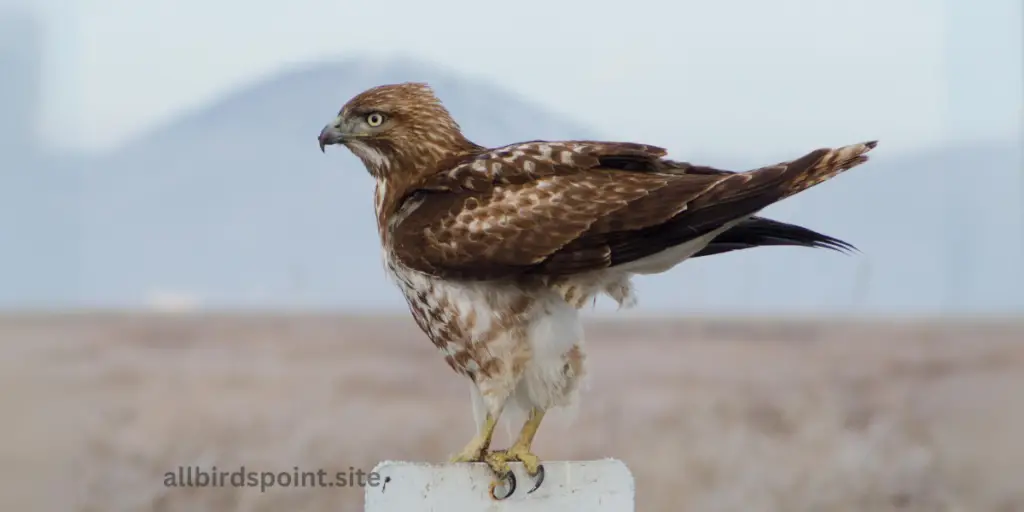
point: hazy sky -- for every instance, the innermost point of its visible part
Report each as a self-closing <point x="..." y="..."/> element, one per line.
<point x="690" y="75"/>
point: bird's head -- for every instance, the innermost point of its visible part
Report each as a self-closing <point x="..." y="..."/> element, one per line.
<point x="400" y="128"/>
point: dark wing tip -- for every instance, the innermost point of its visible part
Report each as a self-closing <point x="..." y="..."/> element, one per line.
<point x="835" y="244"/>
<point x="762" y="232"/>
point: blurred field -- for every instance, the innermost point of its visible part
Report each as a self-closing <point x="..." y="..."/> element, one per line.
<point x="712" y="415"/>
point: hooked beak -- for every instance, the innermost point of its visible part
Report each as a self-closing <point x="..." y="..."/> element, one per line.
<point x="332" y="133"/>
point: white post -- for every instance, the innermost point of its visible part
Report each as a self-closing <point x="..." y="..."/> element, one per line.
<point x="585" y="486"/>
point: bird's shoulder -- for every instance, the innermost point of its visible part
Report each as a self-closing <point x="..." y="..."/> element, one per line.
<point x="523" y="162"/>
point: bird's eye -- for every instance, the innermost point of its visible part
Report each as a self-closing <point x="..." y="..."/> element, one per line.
<point x="375" y="119"/>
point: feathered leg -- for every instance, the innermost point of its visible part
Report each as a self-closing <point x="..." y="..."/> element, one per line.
<point x="491" y="392"/>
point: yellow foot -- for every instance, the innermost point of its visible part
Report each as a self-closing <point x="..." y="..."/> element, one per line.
<point x="477" y="447"/>
<point x="498" y="462"/>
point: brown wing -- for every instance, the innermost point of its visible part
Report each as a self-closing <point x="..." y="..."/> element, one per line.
<point x="545" y="208"/>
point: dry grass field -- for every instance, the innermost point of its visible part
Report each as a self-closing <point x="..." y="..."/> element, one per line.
<point x="711" y="415"/>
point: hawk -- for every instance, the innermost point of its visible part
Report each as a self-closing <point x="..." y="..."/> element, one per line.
<point x="497" y="249"/>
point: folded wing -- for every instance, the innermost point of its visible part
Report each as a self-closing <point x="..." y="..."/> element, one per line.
<point x="554" y="209"/>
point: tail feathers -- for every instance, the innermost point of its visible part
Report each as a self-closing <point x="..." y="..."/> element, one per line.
<point x="821" y="165"/>
<point x="762" y="232"/>
<point x="744" y="193"/>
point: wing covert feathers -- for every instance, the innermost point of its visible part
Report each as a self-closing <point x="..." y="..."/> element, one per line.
<point x="558" y="208"/>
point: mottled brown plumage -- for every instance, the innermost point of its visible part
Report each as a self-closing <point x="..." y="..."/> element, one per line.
<point x="495" y="249"/>
<point x="558" y="209"/>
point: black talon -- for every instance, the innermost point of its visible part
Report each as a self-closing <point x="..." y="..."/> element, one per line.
<point x="540" y="479"/>
<point x="511" y="478"/>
